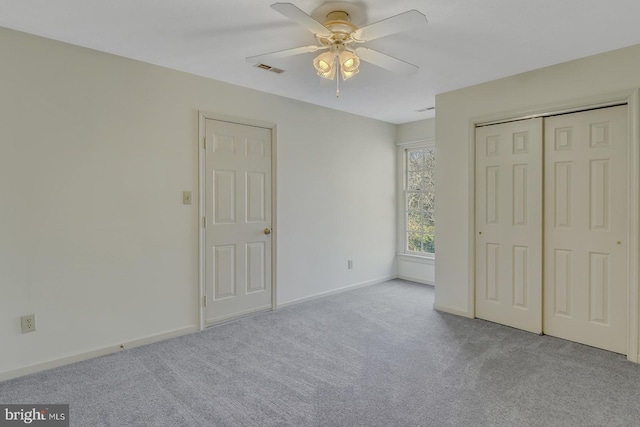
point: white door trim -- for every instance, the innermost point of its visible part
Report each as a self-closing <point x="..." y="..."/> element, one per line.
<point x="202" y="117"/>
<point x="632" y="99"/>
<point x="633" y="325"/>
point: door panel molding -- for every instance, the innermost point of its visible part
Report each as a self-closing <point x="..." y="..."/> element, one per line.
<point x="254" y="148"/>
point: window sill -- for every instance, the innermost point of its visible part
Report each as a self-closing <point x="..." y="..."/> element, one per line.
<point x="421" y="259"/>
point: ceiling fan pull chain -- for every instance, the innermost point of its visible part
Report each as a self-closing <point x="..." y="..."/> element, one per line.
<point x="337" y="76"/>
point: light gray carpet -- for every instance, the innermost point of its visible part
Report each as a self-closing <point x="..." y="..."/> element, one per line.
<point x="375" y="356"/>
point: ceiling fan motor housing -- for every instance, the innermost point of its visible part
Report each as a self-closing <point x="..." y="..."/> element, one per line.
<point x="340" y="27"/>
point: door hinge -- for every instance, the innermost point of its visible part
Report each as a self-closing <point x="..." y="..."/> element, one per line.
<point x="204" y="222"/>
<point x="205" y="143"/>
<point x="204" y="300"/>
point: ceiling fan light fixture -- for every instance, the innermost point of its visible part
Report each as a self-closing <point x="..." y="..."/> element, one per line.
<point x="328" y="63"/>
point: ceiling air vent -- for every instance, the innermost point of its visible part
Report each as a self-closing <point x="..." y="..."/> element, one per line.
<point x="422" y="110"/>
<point x="270" y="68"/>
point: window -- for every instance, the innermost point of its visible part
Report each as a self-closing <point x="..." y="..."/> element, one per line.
<point x="419" y="200"/>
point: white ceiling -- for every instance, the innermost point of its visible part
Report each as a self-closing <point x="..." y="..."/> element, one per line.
<point x="465" y="42"/>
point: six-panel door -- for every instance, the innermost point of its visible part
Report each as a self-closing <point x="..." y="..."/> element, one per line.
<point x="509" y="224"/>
<point x="238" y="216"/>
<point x="586" y="227"/>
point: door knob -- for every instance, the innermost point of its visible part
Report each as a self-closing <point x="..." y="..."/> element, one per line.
<point x="267" y="231"/>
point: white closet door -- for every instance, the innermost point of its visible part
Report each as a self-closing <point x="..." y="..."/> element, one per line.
<point x="509" y="224"/>
<point x="586" y="227"/>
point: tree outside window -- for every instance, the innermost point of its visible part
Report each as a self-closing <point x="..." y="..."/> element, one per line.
<point x="420" y="200"/>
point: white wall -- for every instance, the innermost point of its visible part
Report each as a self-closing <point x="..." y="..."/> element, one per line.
<point x="612" y="75"/>
<point x="95" y="151"/>
<point x="411" y="267"/>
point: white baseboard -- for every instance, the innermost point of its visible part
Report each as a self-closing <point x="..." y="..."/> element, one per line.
<point x="452" y="311"/>
<point x="417" y="280"/>
<point x="7" y="375"/>
<point x="336" y="291"/>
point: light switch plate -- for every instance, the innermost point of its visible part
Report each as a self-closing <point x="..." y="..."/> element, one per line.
<point x="186" y="197"/>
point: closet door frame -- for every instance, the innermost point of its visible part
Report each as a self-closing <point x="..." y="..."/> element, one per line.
<point x="632" y="99"/>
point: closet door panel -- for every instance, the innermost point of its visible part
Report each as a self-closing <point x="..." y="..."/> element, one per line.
<point x="586" y="227"/>
<point x="509" y="224"/>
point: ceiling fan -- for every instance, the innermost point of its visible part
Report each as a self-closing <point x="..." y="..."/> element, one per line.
<point x="337" y="36"/>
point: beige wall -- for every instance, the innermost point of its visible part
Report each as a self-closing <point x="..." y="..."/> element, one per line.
<point x="416" y="131"/>
<point x="612" y="75"/>
<point x="95" y="151"/>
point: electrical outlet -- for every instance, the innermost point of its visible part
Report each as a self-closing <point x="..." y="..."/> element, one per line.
<point x="28" y="323"/>
<point x="186" y="197"/>
<point x="350" y="264"/>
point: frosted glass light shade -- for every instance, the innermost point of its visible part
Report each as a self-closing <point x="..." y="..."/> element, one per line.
<point x="349" y="62"/>
<point x="348" y="74"/>
<point x="324" y="62"/>
<point x="329" y="75"/>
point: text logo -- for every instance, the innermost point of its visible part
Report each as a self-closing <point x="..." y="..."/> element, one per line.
<point x="34" y="415"/>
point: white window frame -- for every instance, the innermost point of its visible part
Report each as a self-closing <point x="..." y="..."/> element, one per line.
<point x="402" y="246"/>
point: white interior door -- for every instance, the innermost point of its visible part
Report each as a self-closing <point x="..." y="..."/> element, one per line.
<point x="586" y="227"/>
<point x="509" y="224"/>
<point x="238" y="220"/>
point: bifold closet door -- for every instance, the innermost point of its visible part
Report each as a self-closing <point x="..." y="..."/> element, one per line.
<point x="509" y="224"/>
<point x="586" y="227"/>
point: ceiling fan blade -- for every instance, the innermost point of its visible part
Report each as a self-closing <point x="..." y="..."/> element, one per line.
<point x="395" y="24"/>
<point x="385" y="61"/>
<point x="266" y="57"/>
<point x="295" y="14"/>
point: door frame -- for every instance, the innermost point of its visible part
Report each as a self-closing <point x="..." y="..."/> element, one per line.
<point x="632" y="99"/>
<point x="203" y="116"/>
